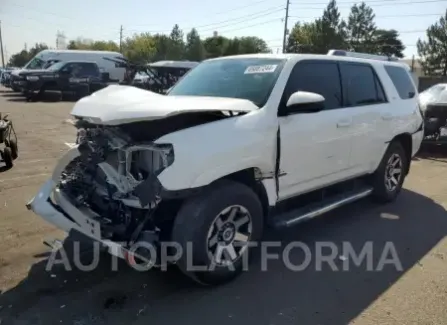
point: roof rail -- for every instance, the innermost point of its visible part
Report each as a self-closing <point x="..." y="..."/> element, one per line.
<point x="361" y="55"/>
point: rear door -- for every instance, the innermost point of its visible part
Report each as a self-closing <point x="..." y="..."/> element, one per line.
<point x="365" y="102"/>
<point x="407" y="114"/>
<point x="315" y="147"/>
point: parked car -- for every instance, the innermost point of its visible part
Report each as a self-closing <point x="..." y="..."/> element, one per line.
<point x="157" y="76"/>
<point x="5" y="75"/>
<point x="433" y="103"/>
<point x="220" y="157"/>
<point x="79" y="77"/>
<point x="46" y="58"/>
<point x="162" y="75"/>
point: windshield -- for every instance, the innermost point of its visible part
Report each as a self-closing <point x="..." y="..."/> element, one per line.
<point x="35" y="63"/>
<point x="56" y="66"/>
<point x="246" y="78"/>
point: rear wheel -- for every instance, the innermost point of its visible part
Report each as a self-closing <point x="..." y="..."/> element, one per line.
<point x="7" y="157"/>
<point x="14" y="148"/>
<point x="214" y="230"/>
<point x="390" y="175"/>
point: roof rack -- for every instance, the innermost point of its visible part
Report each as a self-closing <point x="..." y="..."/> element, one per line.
<point x="361" y="55"/>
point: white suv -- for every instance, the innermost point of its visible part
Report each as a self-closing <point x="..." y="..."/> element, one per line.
<point x="220" y="156"/>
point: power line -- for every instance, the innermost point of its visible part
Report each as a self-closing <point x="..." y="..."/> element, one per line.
<point x="278" y="19"/>
<point x="375" y="45"/>
<point x="389" y="3"/>
<point x="386" y="16"/>
<point x="259" y="14"/>
<point x="38" y="10"/>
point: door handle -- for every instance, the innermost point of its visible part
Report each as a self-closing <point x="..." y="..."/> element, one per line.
<point x="387" y="116"/>
<point x="344" y="123"/>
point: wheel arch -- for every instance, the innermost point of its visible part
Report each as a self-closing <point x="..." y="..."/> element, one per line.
<point x="406" y="140"/>
<point x="264" y="187"/>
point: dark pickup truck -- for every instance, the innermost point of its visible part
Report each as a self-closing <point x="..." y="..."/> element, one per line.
<point x="79" y="77"/>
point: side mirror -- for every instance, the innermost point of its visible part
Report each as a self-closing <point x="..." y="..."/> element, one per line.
<point x="304" y="102"/>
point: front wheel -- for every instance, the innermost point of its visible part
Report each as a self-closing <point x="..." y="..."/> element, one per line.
<point x="389" y="176"/>
<point x="215" y="230"/>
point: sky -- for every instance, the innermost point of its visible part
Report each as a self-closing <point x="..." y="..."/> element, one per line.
<point x="27" y="22"/>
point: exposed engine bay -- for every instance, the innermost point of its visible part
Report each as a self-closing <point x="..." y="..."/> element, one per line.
<point x="115" y="175"/>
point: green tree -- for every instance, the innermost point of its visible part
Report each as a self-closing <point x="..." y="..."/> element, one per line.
<point x="21" y="58"/>
<point x="387" y="42"/>
<point x="87" y="44"/>
<point x="215" y="46"/>
<point x="361" y="28"/>
<point x="252" y="44"/>
<point x="306" y="38"/>
<point x="332" y="28"/>
<point x="177" y="46"/>
<point x="80" y="44"/>
<point x="433" y="51"/>
<point x="140" y="48"/>
<point x="162" y="47"/>
<point x="105" y="46"/>
<point x="233" y="47"/>
<point x="194" y="49"/>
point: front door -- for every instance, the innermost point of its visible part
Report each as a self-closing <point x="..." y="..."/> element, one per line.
<point x="315" y="147"/>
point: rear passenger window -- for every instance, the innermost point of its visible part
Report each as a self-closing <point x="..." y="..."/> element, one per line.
<point x="402" y="82"/>
<point x="321" y="77"/>
<point x="361" y="85"/>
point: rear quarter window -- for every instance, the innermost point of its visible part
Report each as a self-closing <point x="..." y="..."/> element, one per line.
<point x="402" y="81"/>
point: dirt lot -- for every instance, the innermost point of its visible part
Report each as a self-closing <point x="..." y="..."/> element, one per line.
<point x="416" y="225"/>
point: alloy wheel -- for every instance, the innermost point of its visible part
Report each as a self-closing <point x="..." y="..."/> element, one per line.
<point x="229" y="235"/>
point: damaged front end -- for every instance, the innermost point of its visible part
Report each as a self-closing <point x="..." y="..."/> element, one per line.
<point x="116" y="178"/>
<point x="106" y="188"/>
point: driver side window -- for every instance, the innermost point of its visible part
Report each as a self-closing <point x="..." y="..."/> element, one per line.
<point x="320" y="77"/>
<point x="66" y="68"/>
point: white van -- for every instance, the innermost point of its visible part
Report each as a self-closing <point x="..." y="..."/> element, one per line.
<point x="43" y="58"/>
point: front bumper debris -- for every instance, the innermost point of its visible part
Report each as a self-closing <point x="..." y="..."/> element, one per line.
<point x="67" y="217"/>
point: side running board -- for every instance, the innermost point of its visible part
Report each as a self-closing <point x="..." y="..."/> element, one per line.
<point x="293" y="217"/>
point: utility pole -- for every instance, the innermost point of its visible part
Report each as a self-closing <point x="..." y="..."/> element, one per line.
<point x="285" y="27"/>
<point x="121" y="39"/>
<point x="1" y="46"/>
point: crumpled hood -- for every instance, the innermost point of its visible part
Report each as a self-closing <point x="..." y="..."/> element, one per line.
<point x="115" y="105"/>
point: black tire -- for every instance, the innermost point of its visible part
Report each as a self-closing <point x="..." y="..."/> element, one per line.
<point x="194" y="221"/>
<point x="381" y="192"/>
<point x="7" y="157"/>
<point x="14" y="149"/>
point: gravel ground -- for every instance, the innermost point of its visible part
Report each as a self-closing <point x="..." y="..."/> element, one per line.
<point x="416" y="225"/>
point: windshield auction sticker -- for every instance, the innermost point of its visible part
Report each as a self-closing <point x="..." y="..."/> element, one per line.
<point x="261" y="69"/>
